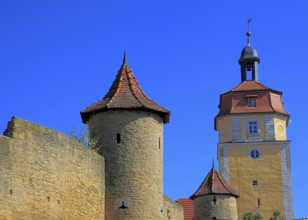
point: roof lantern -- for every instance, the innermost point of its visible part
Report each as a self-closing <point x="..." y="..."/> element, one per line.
<point x="249" y="60"/>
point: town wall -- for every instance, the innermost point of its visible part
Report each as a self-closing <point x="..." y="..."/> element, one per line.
<point x="45" y="174"/>
<point x="172" y="210"/>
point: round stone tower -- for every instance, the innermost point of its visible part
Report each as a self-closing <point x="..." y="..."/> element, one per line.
<point x="215" y="199"/>
<point x="129" y="129"/>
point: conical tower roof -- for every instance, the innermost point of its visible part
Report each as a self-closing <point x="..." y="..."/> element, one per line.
<point x="214" y="184"/>
<point x="125" y="94"/>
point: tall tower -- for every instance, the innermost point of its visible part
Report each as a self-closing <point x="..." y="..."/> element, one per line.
<point x="129" y="128"/>
<point x="253" y="149"/>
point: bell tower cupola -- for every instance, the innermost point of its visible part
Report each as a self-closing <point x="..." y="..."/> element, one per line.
<point x="249" y="60"/>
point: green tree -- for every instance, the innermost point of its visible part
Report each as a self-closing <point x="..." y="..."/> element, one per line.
<point x="277" y="216"/>
<point x="252" y="216"/>
<point x="83" y="138"/>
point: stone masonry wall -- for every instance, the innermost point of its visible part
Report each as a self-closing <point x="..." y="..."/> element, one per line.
<point x="44" y="174"/>
<point x="206" y="209"/>
<point x="172" y="210"/>
<point x="132" y="145"/>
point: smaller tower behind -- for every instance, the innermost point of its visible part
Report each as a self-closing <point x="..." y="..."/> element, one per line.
<point x="215" y="199"/>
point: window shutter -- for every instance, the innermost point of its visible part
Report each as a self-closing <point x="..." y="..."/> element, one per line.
<point x="269" y="128"/>
<point x="236" y="129"/>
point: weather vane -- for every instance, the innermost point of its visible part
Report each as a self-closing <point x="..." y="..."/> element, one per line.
<point x="248" y="33"/>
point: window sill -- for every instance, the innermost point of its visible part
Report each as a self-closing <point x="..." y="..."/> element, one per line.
<point x="253" y="135"/>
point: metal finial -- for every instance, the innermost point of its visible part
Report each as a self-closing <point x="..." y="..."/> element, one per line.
<point x="248" y="33"/>
<point x="213" y="164"/>
<point x="124" y="60"/>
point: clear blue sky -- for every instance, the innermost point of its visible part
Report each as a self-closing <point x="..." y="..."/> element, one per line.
<point x="57" y="57"/>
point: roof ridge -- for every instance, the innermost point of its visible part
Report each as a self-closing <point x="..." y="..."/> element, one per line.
<point x="223" y="182"/>
<point x="143" y="93"/>
<point x="261" y="84"/>
<point x="212" y="185"/>
<point x="130" y="85"/>
<point x="235" y="89"/>
<point x="117" y="88"/>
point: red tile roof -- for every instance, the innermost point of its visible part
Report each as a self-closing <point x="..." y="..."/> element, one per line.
<point x="249" y="85"/>
<point x="125" y="94"/>
<point x="188" y="207"/>
<point x="214" y="184"/>
<point x="235" y="100"/>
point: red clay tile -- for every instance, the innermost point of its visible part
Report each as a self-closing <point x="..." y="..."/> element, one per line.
<point x="235" y="100"/>
<point x="188" y="207"/>
<point x="214" y="184"/>
<point x="125" y="94"/>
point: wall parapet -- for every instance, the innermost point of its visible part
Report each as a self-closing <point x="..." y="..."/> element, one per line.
<point x="48" y="175"/>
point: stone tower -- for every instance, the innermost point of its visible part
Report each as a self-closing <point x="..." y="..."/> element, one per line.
<point x="253" y="149"/>
<point x="215" y="199"/>
<point x="129" y="128"/>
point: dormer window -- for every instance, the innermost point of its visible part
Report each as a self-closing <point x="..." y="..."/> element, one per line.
<point x="251" y="100"/>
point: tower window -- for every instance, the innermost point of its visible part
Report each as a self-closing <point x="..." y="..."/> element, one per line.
<point x="214" y="200"/>
<point x="251" y="102"/>
<point x="254" y="182"/>
<point x="253" y="127"/>
<point x="159" y="143"/>
<point x="255" y="154"/>
<point x="118" y="138"/>
<point x="123" y="206"/>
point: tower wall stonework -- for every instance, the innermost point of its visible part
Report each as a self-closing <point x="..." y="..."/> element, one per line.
<point x="132" y="145"/>
<point x="206" y="209"/>
<point x="45" y="174"/>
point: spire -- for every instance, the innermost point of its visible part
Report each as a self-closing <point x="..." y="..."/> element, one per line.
<point x="124" y="60"/>
<point x="248" y="33"/>
<point x="249" y="59"/>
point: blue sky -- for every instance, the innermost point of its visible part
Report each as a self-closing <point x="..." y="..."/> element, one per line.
<point x="57" y="57"/>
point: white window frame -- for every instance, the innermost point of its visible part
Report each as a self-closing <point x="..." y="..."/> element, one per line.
<point x="253" y="127"/>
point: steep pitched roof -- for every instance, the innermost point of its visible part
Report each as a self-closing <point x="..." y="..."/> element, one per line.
<point x="188" y="207"/>
<point x="235" y="100"/>
<point x="214" y="184"/>
<point x="125" y="94"/>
